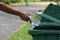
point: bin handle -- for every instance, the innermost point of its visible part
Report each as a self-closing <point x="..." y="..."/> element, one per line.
<point x="49" y="23"/>
<point x="49" y="17"/>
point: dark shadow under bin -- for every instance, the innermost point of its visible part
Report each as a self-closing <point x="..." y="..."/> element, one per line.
<point x="47" y="28"/>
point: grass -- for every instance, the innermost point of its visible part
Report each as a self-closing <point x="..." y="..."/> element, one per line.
<point x="22" y="33"/>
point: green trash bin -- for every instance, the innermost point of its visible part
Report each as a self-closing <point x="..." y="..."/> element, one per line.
<point x="49" y="27"/>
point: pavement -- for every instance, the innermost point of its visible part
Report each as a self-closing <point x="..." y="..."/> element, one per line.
<point x="9" y="24"/>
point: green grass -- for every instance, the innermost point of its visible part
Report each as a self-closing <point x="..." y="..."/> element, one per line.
<point x="22" y="33"/>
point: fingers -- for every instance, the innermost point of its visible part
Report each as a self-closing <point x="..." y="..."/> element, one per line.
<point x="25" y="17"/>
<point x="28" y="14"/>
<point x="28" y="19"/>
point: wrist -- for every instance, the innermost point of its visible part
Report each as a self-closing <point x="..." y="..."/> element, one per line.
<point x="20" y="14"/>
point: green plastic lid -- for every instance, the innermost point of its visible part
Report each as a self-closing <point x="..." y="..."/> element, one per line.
<point x="53" y="11"/>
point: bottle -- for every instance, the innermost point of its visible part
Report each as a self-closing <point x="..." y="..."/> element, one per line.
<point x="36" y="19"/>
<point x="37" y="16"/>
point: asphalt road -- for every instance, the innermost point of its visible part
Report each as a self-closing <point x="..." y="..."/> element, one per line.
<point x="9" y="24"/>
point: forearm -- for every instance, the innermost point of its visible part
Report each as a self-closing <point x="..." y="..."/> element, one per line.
<point x="8" y="9"/>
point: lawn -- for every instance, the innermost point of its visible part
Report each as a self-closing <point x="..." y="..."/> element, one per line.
<point x="22" y="33"/>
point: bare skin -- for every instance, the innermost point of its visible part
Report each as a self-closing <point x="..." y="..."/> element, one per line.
<point x="6" y="8"/>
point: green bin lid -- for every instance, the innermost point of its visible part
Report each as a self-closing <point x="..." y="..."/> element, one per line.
<point x="52" y="10"/>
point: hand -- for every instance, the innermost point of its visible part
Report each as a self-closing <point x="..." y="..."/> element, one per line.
<point x="6" y="8"/>
<point x="25" y="17"/>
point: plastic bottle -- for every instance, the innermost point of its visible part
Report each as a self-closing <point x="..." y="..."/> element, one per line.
<point x="36" y="19"/>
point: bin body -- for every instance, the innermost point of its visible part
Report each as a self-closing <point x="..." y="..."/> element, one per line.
<point x="45" y="34"/>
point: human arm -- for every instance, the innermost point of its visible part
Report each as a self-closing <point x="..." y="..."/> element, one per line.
<point x="8" y="9"/>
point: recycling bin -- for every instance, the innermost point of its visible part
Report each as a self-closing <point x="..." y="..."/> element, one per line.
<point x="49" y="26"/>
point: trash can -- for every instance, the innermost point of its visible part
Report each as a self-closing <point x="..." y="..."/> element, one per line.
<point x="49" y="27"/>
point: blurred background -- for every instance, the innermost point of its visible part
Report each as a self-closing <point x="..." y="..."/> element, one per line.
<point x="22" y="1"/>
<point x="10" y="24"/>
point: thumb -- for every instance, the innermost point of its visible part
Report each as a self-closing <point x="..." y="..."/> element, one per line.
<point x="29" y="20"/>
